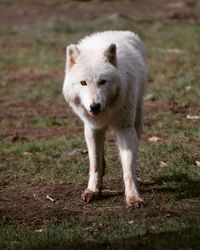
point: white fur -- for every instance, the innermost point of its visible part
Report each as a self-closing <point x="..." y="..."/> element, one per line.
<point x="121" y="98"/>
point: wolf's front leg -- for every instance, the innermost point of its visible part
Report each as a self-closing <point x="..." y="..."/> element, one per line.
<point x="128" y="143"/>
<point x="95" y="144"/>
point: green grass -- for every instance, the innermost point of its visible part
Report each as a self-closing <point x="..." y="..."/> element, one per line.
<point x="43" y="160"/>
<point x="32" y="59"/>
<point x="69" y="235"/>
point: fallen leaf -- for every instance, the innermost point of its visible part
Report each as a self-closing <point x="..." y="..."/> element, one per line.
<point x="78" y="151"/>
<point x="139" y="180"/>
<point x="162" y="164"/>
<point x="84" y="151"/>
<point x="198" y="163"/>
<point x="27" y="153"/>
<point x="149" y="97"/>
<point x="193" y="117"/>
<point x="187" y="88"/>
<point x="39" y="230"/>
<point x="155" y="139"/>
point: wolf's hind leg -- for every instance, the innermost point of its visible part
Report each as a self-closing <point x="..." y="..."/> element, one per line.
<point x="139" y="122"/>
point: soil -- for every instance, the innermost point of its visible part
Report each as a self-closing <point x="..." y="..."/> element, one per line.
<point x="32" y="110"/>
<point x="37" y="206"/>
<point x="44" y="204"/>
<point x="26" y="12"/>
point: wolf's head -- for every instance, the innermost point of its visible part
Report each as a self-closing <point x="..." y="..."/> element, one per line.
<point x="92" y="80"/>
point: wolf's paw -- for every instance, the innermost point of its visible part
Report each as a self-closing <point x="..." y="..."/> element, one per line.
<point x="89" y="195"/>
<point x="134" y="201"/>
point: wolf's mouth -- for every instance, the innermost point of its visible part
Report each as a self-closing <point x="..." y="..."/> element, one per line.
<point x="95" y="108"/>
<point x="94" y="113"/>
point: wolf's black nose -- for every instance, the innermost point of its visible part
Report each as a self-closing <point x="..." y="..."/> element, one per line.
<point x="95" y="108"/>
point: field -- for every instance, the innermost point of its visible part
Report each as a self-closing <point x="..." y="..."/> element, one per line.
<point x="43" y="156"/>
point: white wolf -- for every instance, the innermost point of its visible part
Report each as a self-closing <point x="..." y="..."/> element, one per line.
<point x="104" y="84"/>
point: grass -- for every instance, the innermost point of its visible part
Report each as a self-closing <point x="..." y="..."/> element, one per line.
<point x="40" y="135"/>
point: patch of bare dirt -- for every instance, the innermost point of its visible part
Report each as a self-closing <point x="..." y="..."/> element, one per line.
<point x="155" y="106"/>
<point x="151" y="106"/>
<point x="41" y="205"/>
<point x="31" y="206"/>
<point x="61" y="118"/>
<point x="192" y="203"/>
<point x="13" y="77"/>
<point x="64" y="122"/>
<point x="31" y="133"/>
<point x="28" y="131"/>
<point x="38" y="206"/>
<point x="33" y="11"/>
<point x="30" y="109"/>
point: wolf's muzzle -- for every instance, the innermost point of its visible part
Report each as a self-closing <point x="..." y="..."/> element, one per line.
<point x="95" y="108"/>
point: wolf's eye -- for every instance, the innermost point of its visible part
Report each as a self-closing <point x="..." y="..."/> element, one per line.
<point x="84" y="83"/>
<point x="102" y="82"/>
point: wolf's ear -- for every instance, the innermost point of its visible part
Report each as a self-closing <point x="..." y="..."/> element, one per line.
<point x="72" y="53"/>
<point x="110" y="54"/>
